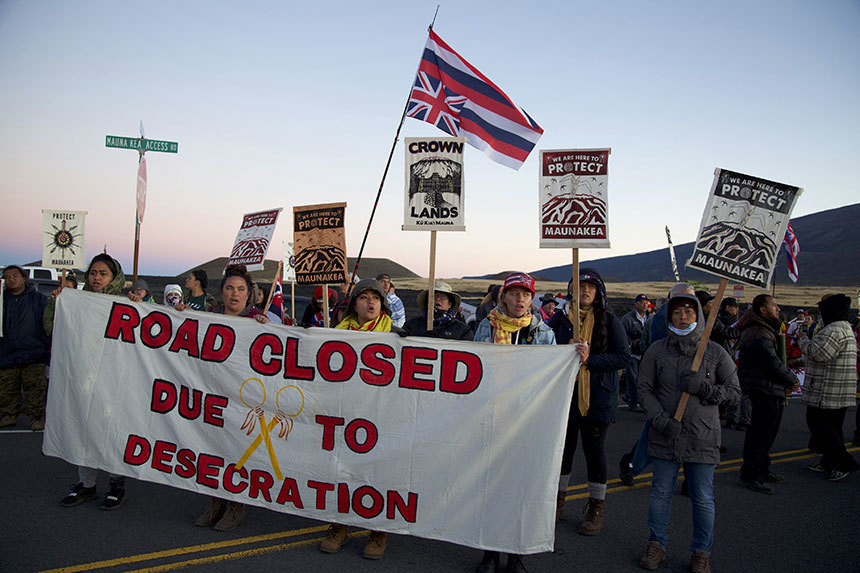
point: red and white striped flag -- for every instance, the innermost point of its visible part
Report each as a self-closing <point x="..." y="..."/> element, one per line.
<point x="792" y="249"/>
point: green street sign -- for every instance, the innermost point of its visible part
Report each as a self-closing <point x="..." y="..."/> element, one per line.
<point x="141" y="144"/>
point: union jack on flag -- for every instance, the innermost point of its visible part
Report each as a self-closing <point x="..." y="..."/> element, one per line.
<point x="277" y="305"/>
<point x="792" y="249"/>
<point x="454" y="96"/>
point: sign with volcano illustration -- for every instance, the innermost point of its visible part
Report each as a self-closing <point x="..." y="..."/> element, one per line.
<point x="743" y="227"/>
<point x="574" y="198"/>
<point x="434" y="184"/>
<point x="319" y="243"/>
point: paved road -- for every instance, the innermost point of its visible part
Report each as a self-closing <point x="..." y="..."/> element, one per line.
<point x="809" y="525"/>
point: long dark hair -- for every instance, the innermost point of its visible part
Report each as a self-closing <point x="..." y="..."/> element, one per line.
<point x="598" y="334"/>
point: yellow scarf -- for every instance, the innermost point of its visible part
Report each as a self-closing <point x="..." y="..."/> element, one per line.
<point x="504" y="325"/>
<point x="583" y="378"/>
<point x="381" y="323"/>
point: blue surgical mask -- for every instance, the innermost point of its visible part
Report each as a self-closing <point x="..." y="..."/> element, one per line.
<point x="685" y="331"/>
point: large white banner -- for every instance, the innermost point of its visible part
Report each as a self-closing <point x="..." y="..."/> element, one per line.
<point x="63" y="236"/>
<point x="448" y="440"/>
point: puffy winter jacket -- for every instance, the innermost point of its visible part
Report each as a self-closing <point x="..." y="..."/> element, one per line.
<point x="455" y="329"/>
<point x="24" y="339"/>
<point x="760" y="370"/>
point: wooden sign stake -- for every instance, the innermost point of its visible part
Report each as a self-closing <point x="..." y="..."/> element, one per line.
<point x="574" y="291"/>
<point x="431" y="291"/>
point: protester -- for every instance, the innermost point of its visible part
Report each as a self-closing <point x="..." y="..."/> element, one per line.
<point x="830" y="385"/>
<point x="766" y="379"/>
<point x="633" y="323"/>
<point x="197" y="297"/>
<point x="71" y="281"/>
<point x="104" y="276"/>
<point x="736" y="416"/>
<point x="488" y="303"/>
<point x="236" y="291"/>
<point x="368" y="312"/>
<point x="447" y="321"/>
<point x="398" y="313"/>
<point x="665" y="372"/>
<point x="24" y="351"/>
<point x="313" y="315"/>
<point x="172" y="295"/>
<point x="645" y="341"/>
<point x="140" y="292"/>
<point x="595" y="396"/>
<point x="547" y="306"/>
<point x="512" y="322"/>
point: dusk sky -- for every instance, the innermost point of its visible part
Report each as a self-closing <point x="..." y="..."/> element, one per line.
<point x="276" y="104"/>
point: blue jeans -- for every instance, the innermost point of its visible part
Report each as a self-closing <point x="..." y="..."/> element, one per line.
<point x="701" y="481"/>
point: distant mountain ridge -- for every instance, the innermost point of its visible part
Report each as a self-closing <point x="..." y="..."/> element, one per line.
<point x="829" y="254"/>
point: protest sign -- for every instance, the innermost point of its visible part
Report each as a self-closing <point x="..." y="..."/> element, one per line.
<point x="742" y="227"/>
<point x="449" y="440"/>
<point x="63" y="239"/>
<point x="319" y="243"/>
<point x="574" y="198"/>
<point x="289" y="263"/>
<point x="253" y="238"/>
<point x="434" y="199"/>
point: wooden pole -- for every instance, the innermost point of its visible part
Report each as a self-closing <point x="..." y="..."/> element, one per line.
<point x="136" y="245"/>
<point x="574" y="292"/>
<point x="703" y="344"/>
<point x="293" y="302"/>
<point x="272" y="289"/>
<point x="326" y="319"/>
<point x="431" y="290"/>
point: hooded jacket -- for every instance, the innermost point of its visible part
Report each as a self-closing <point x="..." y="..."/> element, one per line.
<point x="659" y="390"/>
<point x="24" y="339"/>
<point x="114" y="288"/>
<point x="760" y="370"/>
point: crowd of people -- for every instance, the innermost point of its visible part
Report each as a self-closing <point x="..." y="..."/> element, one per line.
<point x="742" y="375"/>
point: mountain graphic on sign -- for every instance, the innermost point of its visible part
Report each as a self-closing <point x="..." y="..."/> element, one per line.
<point x="743" y="245"/>
<point x="576" y="210"/>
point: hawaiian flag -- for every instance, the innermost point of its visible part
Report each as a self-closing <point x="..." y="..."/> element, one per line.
<point x="454" y="96"/>
<point x="792" y="249"/>
<point x="277" y="304"/>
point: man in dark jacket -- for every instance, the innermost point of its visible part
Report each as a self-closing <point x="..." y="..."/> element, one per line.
<point x="24" y="351"/>
<point x="447" y="322"/>
<point x="767" y="381"/>
<point x="633" y="323"/>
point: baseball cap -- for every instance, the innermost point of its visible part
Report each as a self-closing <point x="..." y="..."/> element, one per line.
<point x="521" y="280"/>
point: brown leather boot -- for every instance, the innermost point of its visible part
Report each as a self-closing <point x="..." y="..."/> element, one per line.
<point x="336" y="538"/>
<point x="233" y="517"/>
<point x="213" y="513"/>
<point x="559" y="505"/>
<point x="375" y="547"/>
<point x="593" y="522"/>
<point x="700" y="562"/>
<point x="653" y="557"/>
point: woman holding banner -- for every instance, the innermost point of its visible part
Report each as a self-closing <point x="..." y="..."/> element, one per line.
<point x="664" y="374"/>
<point x="105" y="276"/>
<point x="237" y="290"/>
<point x="595" y="397"/>
<point x="512" y="322"/>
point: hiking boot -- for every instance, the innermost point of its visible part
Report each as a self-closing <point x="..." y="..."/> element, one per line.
<point x="816" y="467"/>
<point x="489" y="563"/>
<point x="756" y="486"/>
<point x="773" y="478"/>
<point x="515" y="564"/>
<point x="653" y="556"/>
<point x="336" y="538"/>
<point x="559" y="505"/>
<point x="836" y="475"/>
<point x="625" y="470"/>
<point x="375" y="546"/>
<point x="115" y="495"/>
<point x="6" y="421"/>
<point x="700" y="562"/>
<point x="233" y="517"/>
<point x="593" y="522"/>
<point x="78" y="495"/>
<point x="37" y="424"/>
<point x="213" y="513"/>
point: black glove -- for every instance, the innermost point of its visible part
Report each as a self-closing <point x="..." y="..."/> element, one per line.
<point x="402" y="333"/>
<point x="691" y="383"/>
<point x="668" y="426"/>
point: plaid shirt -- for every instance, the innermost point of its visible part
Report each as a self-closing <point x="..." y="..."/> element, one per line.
<point x="831" y="367"/>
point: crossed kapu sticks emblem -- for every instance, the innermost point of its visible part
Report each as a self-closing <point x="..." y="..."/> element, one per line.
<point x="282" y="418"/>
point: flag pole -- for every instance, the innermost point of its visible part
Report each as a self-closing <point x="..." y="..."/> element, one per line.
<point x="385" y="172"/>
<point x="272" y="289"/>
<point x="431" y="301"/>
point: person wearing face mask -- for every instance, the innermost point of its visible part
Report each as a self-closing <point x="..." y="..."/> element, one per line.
<point x="447" y="321"/>
<point x="604" y="351"/>
<point x="664" y="374"/>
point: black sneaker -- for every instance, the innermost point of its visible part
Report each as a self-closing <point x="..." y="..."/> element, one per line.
<point x="836" y="475"/>
<point x="773" y="478"/>
<point x="78" y="495"/>
<point x="115" y="495"/>
<point x="757" y="486"/>
<point x="816" y="467"/>
<point x="625" y="470"/>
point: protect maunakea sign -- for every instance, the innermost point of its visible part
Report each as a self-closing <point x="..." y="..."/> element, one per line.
<point x="289" y="264"/>
<point x="434" y="184"/>
<point x="407" y="435"/>
<point x="574" y="198"/>
<point x="63" y="239"/>
<point x="743" y="227"/>
<point x="319" y="243"/>
<point x="253" y="238"/>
